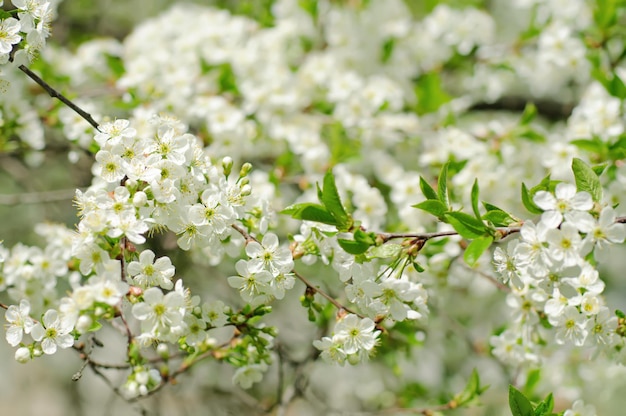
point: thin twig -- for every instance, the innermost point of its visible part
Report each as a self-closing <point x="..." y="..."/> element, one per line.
<point x="322" y="293"/>
<point x="303" y="279"/>
<point x="55" y="94"/>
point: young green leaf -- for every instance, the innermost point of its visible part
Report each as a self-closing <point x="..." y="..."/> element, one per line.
<point x="586" y="179"/>
<point x="472" y="390"/>
<point x="527" y="200"/>
<point x="352" y="246"/>
<point x="519" y="404"/>
<point x="430" y="94"/>
<point x="476" y="248"/>
<point x="499" y="218"/>
<point x="442" y="186"/>
<point x="466" y="225"/>
<point x="427" y="190"/>
<point x="474" y="197"/>
<point x="310" y="212"/>
<point x="332" y="201"/>
<point x="530" y="112"/>
<point x="545" y="407"/>
<point x="432" y="206"/>
<point x="363" y="237"/>
<point x="594" y="145"/>
<point x="418" y="267"/>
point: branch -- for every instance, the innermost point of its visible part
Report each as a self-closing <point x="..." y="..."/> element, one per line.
<point x="502" y="231"/>
<point x="551" y="110"/>
<point x="304" y="280"/>
<point x="55" y="94"/>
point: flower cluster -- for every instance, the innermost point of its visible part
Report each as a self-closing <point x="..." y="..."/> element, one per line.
<point x="29" y="30"/>
<point x="353" y="340"/>
<point x="387" y="100"/>
<point x="553" y="278"/>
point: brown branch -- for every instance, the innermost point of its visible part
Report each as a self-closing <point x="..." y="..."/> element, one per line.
<point x="303" y="279"/>
<point x="385" y="237"/>
<point x="325" y="295"/>
<point x="55" y="94"/>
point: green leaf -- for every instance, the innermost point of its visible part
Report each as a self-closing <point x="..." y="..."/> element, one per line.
<point x="442" y="186"/>
<point x="586" y="179"/>
<point x="476" y="248"/>
<point x="618" y="149"/>
<point x="95" y="326"/>
<point x="605" y="13"/>
<point x="546" y="184"/>
<point x="385" y="251"/>
<point x="427" y="190"/>
<point x="331" y="200"/>
<point x="472" y="390"/>
<point x="534" y="376"/>
<point x="418" y="267"/>
<point x="594" y="145"/>
<point x="545" y="407"/>
<point x="527" y="200"/>
<point x="352" y="246"/>
<point x="474" y="197"/>
<point x="530" y="112"/>
<point x="310" y="6"/>
<point x="115" y="64"/>
<point x="387" y="49"/>
<point x="616" y="87"/>
<point x="519" y="404"/>
<point x="466" y="225"/>
<point x="598" y="169"/>
<point x="310" y="212"/>
<point x="363" y="237"/>
<point x="499" y="218"/>
<point x="532" y="135"/>
<point x="432" y="206"/>
<point x="430" y="95"/>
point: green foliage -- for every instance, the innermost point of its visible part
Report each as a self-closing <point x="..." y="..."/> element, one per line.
<point x="310" y="6"/>
<point x="586" y="179"/>
<point x="341" y="147"/>
<point x="476" y="248"/>
<point x="466" y="225"/>
<point x="520" y="405"/>
<point x="546" y="184"/>
<point x="432" y="206"/>
<point x="430" y="94"/>
<point x="308" y="211"/>
<point x="442" y="186"/>
<point x="497" y="216"/>
<point x="469" y="395"/>
<point x="427" y="190"/>
<point x="474" y="198"/>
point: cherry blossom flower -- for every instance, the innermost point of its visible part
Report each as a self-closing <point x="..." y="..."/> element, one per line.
<point x="54" y="333"/>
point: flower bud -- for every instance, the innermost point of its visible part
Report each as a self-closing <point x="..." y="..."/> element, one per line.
<point x="245" y="169"/>
<point x="84" y="323"/>
<point x="140" y="199"/>
<point x="22" y="355"/>
<point x="163" y="351"/>
<point x="227" y="165"/>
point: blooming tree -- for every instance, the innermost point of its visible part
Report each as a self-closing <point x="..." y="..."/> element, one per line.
<point x="437" y="185"/>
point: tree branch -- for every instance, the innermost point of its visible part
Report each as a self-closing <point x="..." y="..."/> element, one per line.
<point x="55" y="94"/>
